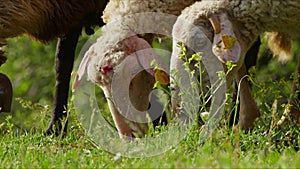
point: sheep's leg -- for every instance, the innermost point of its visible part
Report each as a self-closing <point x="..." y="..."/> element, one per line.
<point x="294" y="101"/>
<point x="252" y="53"/>
<point x="294" y="109"/>
<point x="248" y="108"/>
<point x="64" y="61"/>
<point x="6" y="92"/>
<point x="250" y="60"/>
<point x="2" y="59"/>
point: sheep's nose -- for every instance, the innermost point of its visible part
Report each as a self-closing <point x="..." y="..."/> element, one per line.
<point x="5" y="93"/>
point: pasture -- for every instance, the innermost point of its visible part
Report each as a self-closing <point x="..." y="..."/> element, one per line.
<point x="23" y="145"/>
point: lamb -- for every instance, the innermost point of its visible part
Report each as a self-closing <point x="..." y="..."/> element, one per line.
<point x="232" y="26"/>
<point x="126" y="41"/>
<point x="44" y="21"/>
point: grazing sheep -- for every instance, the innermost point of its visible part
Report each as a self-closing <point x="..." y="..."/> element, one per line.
<point x="232" y="26"/>
<point x="103" y="71"/>
<point x="125" y="38"/>
<point x="44" y="21"/>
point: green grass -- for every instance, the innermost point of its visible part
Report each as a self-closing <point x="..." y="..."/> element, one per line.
<point x="23" y="145"/>
<point x="30" y="149"/>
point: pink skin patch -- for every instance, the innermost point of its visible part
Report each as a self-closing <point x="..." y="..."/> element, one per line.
<point x="105" y="69"/>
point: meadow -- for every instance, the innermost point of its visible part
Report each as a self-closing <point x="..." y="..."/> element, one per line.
<point x="30" y="66"/>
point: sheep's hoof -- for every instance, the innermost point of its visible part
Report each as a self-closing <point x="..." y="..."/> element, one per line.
<point x="57" y="128"/>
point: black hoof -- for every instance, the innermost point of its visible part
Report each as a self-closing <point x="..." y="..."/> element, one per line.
<point x="56" y="128"/>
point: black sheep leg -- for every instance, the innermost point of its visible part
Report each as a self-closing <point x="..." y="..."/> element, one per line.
<point x="295" y="100"/>
<point x="64" y="61"/>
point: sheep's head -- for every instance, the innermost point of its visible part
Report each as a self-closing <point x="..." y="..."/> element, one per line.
<point x="229" y="41"/>
<point x="124" y="73"/>
<point x="230" y="38"/>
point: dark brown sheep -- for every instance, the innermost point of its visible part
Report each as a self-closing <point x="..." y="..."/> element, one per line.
<point x="45" y="21"/>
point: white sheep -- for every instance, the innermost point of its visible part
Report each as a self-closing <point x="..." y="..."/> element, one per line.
<point x="131" y="26"/>
<point x="232" y="27"/>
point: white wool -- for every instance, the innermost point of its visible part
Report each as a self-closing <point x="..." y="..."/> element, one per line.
<point x="253" y="18"/>
<point x="121" y="8"/>
<point x="125" y="18"/>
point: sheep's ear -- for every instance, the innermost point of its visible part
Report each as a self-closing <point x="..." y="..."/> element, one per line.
<point x="83" y="68"/>
<point x="225" y="45"/>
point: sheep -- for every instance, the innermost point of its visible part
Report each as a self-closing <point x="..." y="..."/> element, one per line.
<point x="44" y="21"/>
<point x="125" y="40"/>
<point x="232" y="26"/>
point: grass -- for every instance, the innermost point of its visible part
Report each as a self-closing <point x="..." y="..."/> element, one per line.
<point x="23" y="145"/>
<point x="30" y="149"/>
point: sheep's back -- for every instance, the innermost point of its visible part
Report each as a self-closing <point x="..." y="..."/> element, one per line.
<point x="46" y="20"/>
<point x="265" y="15"/>
<point x="120" y="8"/>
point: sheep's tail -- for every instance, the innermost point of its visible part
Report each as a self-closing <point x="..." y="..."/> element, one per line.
<point x="281" y="45"/>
